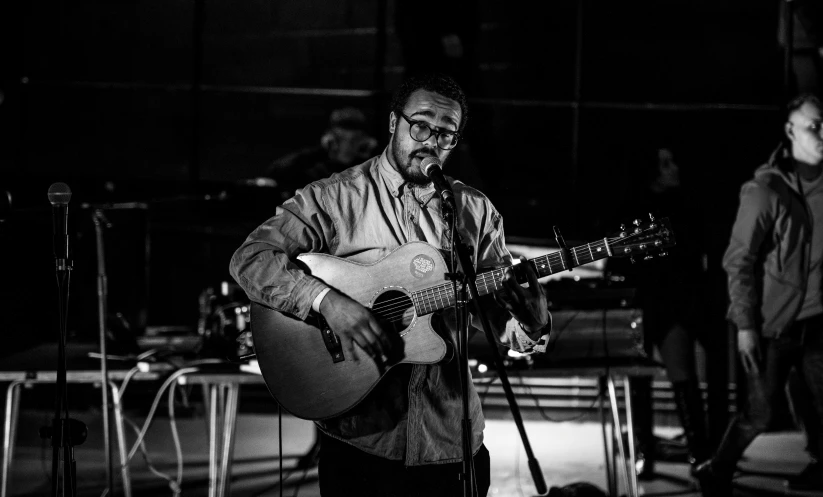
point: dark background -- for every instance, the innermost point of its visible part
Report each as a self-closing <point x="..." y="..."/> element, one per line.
<point x="173" y="103"/>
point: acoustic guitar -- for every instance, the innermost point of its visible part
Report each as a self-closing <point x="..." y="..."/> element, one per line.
<point x="302" y="362"/>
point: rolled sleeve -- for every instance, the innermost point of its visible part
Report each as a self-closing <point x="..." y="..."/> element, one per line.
<point x="492" y="252"/>
<point x="265" y="264"/>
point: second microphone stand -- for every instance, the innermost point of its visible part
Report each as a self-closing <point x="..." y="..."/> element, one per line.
<point x="100" y="222"/>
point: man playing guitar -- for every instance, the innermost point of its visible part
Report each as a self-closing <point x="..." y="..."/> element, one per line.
<point x="402" y="434"/>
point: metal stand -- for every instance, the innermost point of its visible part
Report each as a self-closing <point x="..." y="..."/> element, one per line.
<point x="64" y="432"/>
<point x="100" y="222"/>
<point x="613" y="444"/>
<point x="464" y="258"/>
<point x="467" y="473"/>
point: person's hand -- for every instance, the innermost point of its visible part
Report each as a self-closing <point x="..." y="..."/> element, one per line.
<point x="527" y="305"/>
<point x="353" y="323"/>
<point x="748" y="344"/>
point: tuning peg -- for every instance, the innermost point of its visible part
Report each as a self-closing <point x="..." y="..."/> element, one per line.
<point x="636" y="222"/>
<point x="651" y="217"/>
<point x="632" y="259"/>
<point x="648" y="257"/>
<point x="663" y="254"/>
<point x="622" y="227"/>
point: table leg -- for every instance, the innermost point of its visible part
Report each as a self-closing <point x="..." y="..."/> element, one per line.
<point x="609" y="456"/>
<point x="121" y="440"/>
<point x="619" y="434"/>
<point x="627" y="392"/>
<point x="213" y="440"/>
<point x="229" y="424"/>
<point x="10" y="431"/>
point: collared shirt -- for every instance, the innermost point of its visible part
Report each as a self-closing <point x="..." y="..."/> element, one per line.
<point x="362" y="214"/>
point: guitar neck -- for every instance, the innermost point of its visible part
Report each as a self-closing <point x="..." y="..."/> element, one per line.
<point x="441" y="296"/>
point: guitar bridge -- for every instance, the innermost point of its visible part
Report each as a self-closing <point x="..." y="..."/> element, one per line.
<point x="332" y="342"/>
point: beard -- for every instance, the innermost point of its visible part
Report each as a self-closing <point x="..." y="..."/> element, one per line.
<point x="408" y="171"/>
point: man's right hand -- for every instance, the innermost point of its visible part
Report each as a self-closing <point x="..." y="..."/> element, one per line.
<point x="352" y="322"/>
<point x="748" y="344"/>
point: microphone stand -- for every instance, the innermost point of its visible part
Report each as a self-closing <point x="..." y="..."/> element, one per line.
<point x="467" y="472"/>
<point x="64" y="431"/>
<point x="469" y="278"/>
<point x="100" y="222"/>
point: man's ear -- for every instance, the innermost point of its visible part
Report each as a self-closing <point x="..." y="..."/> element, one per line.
<point x="787" y="128"/>
<point x="392" y="122"/>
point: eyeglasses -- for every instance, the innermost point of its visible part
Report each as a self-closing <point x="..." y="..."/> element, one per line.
<point x="814" y="126"/>
<point x="420" y="132"/>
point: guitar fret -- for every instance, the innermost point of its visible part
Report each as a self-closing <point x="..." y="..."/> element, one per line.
<point x="427" y="293"/>
<point x="444" y="290"/>
<point x="574" y="253"/>
<point x="589" y="245"/>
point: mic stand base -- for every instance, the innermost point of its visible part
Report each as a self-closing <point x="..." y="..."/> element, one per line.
<point x="64" y="431"/>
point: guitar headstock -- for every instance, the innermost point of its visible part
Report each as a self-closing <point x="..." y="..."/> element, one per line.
<point x="648" y="239"/>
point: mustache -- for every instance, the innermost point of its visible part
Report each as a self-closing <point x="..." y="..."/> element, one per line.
<point x="422" y="153"/>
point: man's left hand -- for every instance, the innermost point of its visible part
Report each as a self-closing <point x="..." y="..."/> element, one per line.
<point x="527" y="305"/>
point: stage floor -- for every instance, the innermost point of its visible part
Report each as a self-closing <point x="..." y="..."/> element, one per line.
<point x="567" y="451"/>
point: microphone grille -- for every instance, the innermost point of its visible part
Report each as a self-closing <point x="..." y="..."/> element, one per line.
<point x="429" y="162"/>
<point x="59" y="194"/>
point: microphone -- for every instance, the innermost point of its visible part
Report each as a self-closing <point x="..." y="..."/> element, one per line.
<point x="433" y="169"/>
<point x="59" y="196"/>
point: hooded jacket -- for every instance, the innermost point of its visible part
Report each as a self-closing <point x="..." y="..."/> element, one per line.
<point x="767" y="260"/>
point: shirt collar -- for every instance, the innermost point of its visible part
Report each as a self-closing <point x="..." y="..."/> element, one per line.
<point x="395" y="182"/>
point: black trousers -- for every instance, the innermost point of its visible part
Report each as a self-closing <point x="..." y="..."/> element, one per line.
<point x="801" y="348"/>
<point x="345" y="471"/>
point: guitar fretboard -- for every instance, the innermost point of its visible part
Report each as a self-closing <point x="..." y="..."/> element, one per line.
<point x="439" y="297"/>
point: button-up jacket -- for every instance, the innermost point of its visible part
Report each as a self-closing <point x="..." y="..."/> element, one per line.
<point x="362" y="214"/>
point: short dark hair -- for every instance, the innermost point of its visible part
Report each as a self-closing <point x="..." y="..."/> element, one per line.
<point x="436" y="83"/>
<point x="798" y="102"/>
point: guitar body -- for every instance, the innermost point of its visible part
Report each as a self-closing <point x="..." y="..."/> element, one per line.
<point x="304" y="365"/>
<point x="298" y="367"/>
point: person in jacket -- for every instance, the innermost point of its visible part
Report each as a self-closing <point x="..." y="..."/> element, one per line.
<point x="773" y="264"/>
<point x="404" y="437"/>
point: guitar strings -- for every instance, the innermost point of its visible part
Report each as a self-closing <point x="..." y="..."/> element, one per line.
<point x="441" y="296"/>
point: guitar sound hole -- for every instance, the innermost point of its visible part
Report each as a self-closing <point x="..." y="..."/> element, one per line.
<point x="395" y="311"/>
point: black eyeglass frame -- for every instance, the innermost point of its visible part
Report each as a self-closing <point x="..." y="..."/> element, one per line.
<point x="457" y="136"/>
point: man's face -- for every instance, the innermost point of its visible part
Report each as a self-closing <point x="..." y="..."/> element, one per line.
<point x="350" y="146"/>
<point x="405" y="154"/>
<point x="804" y="130"/>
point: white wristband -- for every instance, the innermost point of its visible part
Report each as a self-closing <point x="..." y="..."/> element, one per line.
<point x="315" y="306"/>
